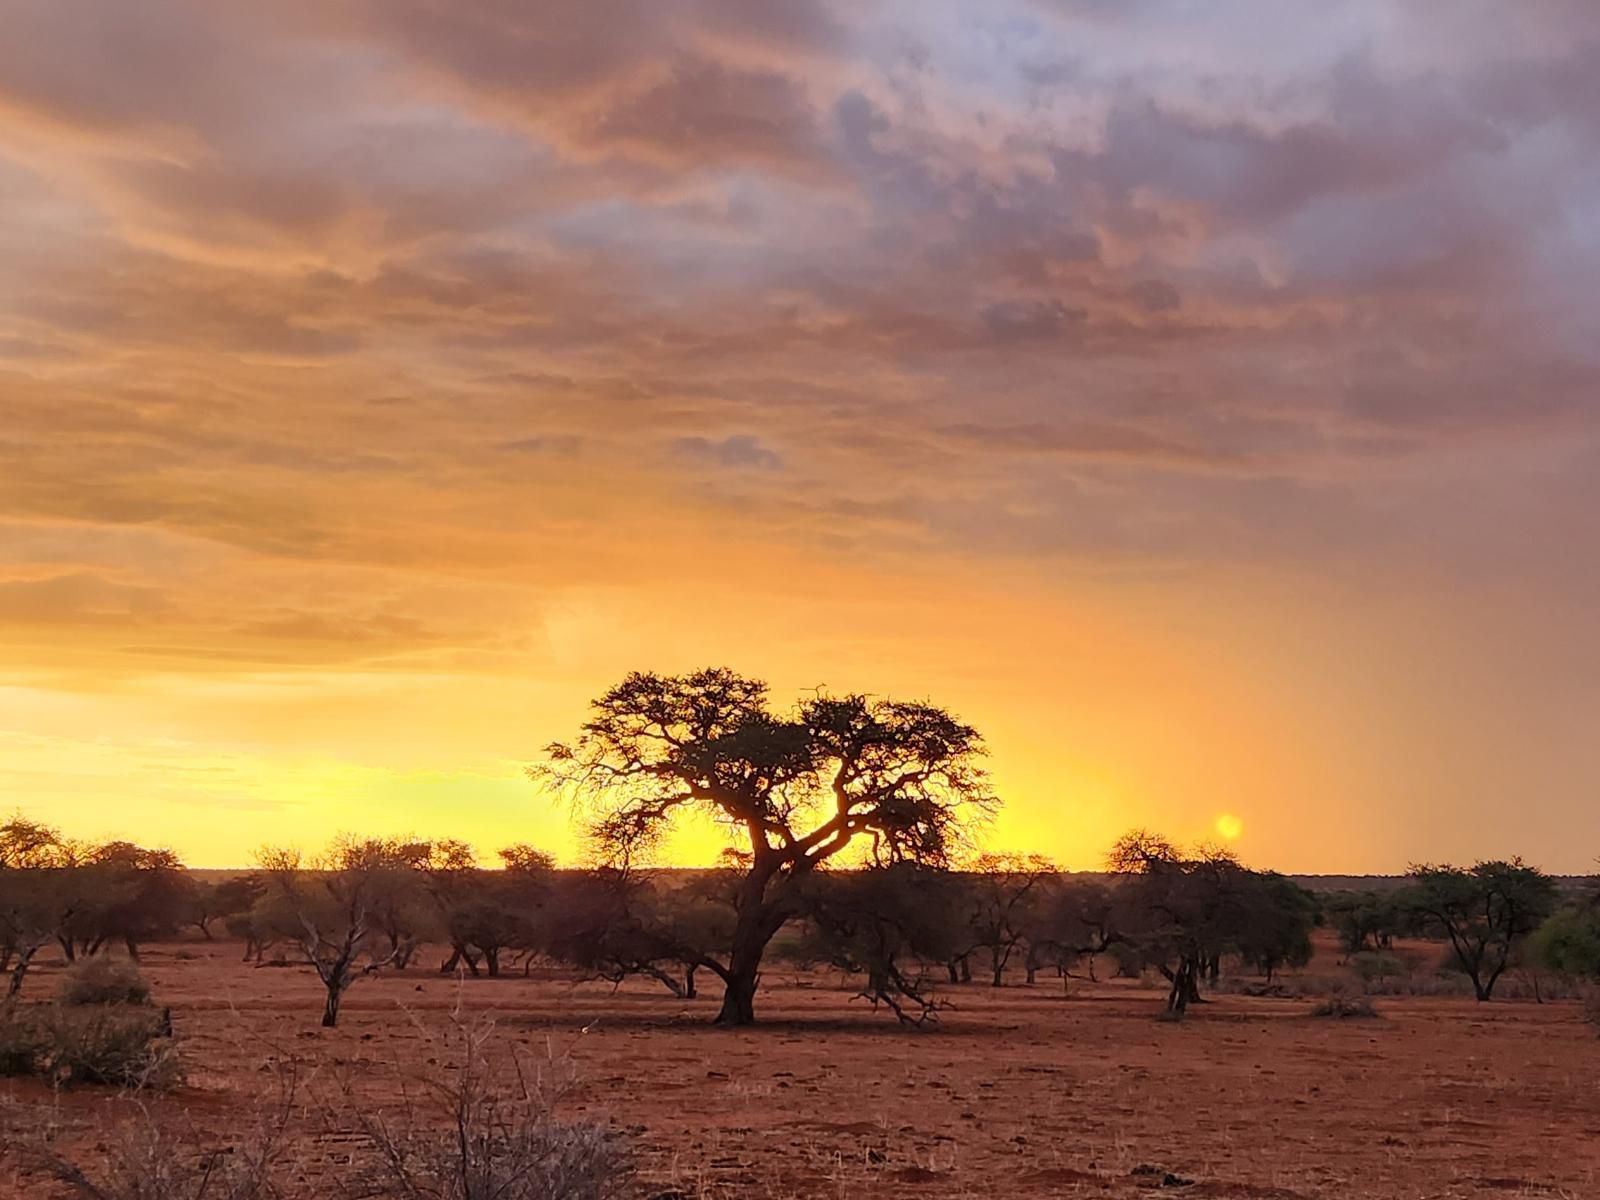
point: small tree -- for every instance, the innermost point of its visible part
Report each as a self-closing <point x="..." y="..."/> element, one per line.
<point x="1074" y="921"/>
<point x="131" y="894"/>
<point x="226" y="901"/>
<point x="1277" y="918"/>
<point x="1485" y="911"/>
<point x="41" y="891"/>
<point x="334" y="903"/>
<point x="1365" y="920"/>
<point x="1005" y="891"/>
<point x="598" y="922"/>
<point x="796" y="788"/>
<point x="398" y="901"/>
<point x="1183" y="912"/>
<point x="883" y="923"/>
<point x="1569" y="941"/>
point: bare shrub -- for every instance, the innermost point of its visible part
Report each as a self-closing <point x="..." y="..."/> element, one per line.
<point x="110" y="1044"/>
<point x="99" y="980"/>
<point x="471" y="1136"/>
<point x="1345" y="1008"/>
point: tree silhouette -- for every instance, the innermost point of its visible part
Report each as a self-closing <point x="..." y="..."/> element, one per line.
<point x="1183" y="911"/>
<point x="796" y="788"/>
<point x="1005" y="892"/>
<point x="335" y="903"/>
<point x="1484" y="910"/>
<point x="41" y="889"/>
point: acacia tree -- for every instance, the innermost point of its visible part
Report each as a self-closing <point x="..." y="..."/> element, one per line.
<point x="1004" y="891"/>
<point x="1569" y="941"/>
<point x="1365" y="920"/>
<point x="795" y="788"/>
<point x="1278" y="918"/>
<point x="395" y="880"/>
<point x="884" y="923"/>
<point x="1074" y="921"/>
<point x="334" y="904"/>
<point x="613" y="923"/>
<point x="1485" y="911"/>
<point x="1182" y="911"/>
<point x="137" y="894"/>
<point x="41" y="889"/>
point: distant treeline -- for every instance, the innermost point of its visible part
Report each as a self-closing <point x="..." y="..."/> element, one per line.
<point x="905" y="930"/>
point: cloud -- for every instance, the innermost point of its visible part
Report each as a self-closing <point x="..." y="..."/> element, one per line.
<point x="77" y="597"/>
<point x="732" y="452"/>
<point x="1031" y="320"/>
<point x="1038" y="256"/>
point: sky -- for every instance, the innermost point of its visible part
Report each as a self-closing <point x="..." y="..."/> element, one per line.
<point x="1202" y="399"/>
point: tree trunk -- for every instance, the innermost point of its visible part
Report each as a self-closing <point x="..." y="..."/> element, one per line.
<point x="688" y="981"/>
<point x="966" y="969"/>
<point x="491" y="959"/>
<point x="18" y="972"/>
<point x="330" y="1008"/>
<point x="759" y="920"/>
<point x="1183" y="987"/>
<point x="950" y="966"/>
<point x="459" y="954"/>
<point x="739" y="995"/>
<point x="750" y="937"/>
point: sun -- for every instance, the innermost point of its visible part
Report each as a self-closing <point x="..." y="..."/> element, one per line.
<point x="1229" y="827"/>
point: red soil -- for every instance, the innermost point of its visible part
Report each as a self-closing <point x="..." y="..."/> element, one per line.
<point x="1019" y="1092"/>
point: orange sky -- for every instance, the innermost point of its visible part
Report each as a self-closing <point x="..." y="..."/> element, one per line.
<point x="1206" y="406"/>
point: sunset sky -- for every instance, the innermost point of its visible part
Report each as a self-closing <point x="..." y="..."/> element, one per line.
<point x="1203" y="399"/>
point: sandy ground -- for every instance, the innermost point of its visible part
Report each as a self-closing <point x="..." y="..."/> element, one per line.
<point x="1020" y="1092"/>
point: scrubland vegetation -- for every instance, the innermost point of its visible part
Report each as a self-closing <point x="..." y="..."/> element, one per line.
<point x="851" y="861"/>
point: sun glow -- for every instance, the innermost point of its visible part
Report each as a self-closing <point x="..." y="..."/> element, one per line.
<point x="1229" y="827"/>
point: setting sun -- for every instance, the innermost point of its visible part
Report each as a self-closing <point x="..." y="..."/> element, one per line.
<point x="1229" y="827"/>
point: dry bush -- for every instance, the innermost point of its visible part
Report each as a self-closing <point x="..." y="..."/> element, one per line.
<point x="1345" y="1007"/>
<point x="99" y="980"/>
<point x="102" y="1030"/>
<point x="473" y="1136"/>
<point x="118" y="1045"/>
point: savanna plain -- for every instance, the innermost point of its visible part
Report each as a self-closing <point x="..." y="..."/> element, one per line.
<point x="1063" y="1088"/>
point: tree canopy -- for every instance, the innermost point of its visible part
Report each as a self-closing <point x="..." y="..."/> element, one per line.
<point x="794" y="787"/>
